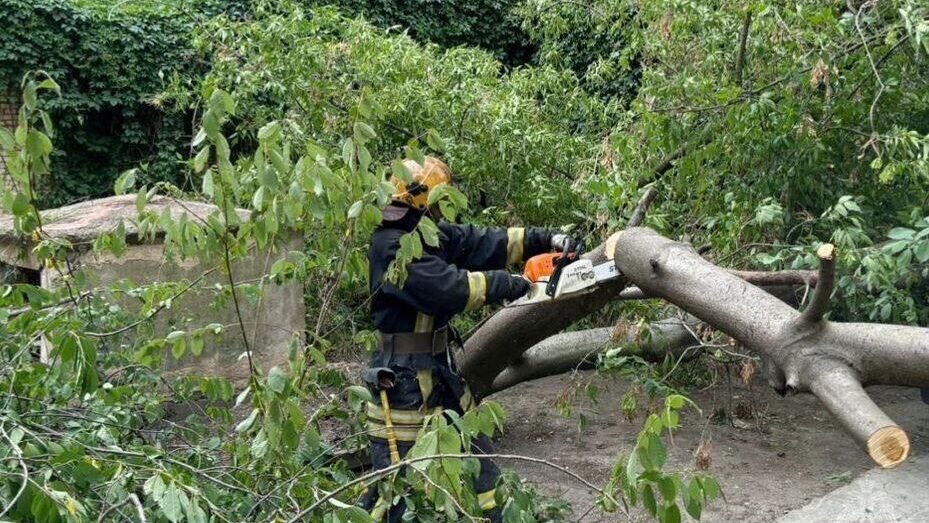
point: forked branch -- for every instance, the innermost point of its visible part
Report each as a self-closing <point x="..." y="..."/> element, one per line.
<point x="832" y="360"/>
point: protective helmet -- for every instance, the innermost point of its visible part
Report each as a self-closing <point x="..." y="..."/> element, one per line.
<point x="425" y="178"/>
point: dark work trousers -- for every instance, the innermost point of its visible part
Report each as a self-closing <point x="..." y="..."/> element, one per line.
<point x="424" y="384"/>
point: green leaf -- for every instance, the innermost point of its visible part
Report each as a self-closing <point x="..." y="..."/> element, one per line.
<point x="429" y="231"/>
<point x="154" y="487"/>
<point x="355" y="210"/>
<point x="675" y="401"/>
<point x="196" y="343"/>
<point x="922" y="252"/>
<point x="364" y="132"/>
<point x="711" y="488"/>
<point x="125" y="181"/>
<point x="172" y="503"/>
<point x="277" y="380"/>
<point x="901" y="233"/>
<point x="400" y="171"/>
<point x="37" y="144"/>
<point x="246" y="424"/>
<point x="348" y="153"/>
<point x="357" y="395"/>
<point x="434" y="141"/>
<point x="648" y="500"/>
<point x="7" y="141"/>
<point x="208" y="188"/>
<point x="668" y="488"/>
<point x="195" y="514"/>
<point x="20" y="204"/>
<point x="671" y="514"/>
<point x="178" y="347"/>
<point x="269" y="131"/>
<point x="694" y="500"/>
<point x="258" y="199"/>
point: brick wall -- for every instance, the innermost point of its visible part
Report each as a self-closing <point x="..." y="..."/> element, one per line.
<point x="9" y="107"/>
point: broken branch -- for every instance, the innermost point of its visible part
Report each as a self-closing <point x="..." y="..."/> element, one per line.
<point x="819" y="303"/>
<point x="832" y="360"/>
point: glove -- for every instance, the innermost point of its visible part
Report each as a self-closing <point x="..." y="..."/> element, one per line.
<point x="517" y="287"/>
<point x="560" y="241"/>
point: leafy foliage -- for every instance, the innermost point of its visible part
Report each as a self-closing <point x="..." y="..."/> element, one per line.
<point x="489" y="24"/>
<point x="817" y="134"/>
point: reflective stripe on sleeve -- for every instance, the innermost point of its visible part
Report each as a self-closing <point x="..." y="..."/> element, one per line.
<point x="477" y="290"/>
<point x="515" y="238"/>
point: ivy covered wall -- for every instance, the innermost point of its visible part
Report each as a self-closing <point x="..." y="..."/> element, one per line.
<point x="111" y="65"/>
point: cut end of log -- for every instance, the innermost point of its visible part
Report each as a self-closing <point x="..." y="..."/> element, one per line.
<point x="889" y="446"/>
<point x="826" y="251"/>
<point x="609" y="247"/>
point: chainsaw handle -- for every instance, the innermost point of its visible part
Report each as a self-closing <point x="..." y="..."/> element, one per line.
<point x="560" y="263"/>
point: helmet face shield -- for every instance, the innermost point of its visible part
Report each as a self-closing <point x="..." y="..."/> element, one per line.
<point x="424" y="178"/>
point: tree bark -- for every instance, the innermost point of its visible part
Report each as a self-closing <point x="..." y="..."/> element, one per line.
<point x="832" y="360"/>
<point x="572" y="350"/>
<point x="513" y="330"/>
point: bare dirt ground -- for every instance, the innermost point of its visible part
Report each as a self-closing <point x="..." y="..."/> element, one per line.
<point x="798" y="453"/>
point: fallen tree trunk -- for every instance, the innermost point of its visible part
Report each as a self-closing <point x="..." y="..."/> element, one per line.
<point x="572" y="350"/>
<point x="506" y="335"/>
<point x="513" y="330"/>
<point x="805" y="353"/>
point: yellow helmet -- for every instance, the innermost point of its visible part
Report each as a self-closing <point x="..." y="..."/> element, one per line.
<point x="425" y="178"/>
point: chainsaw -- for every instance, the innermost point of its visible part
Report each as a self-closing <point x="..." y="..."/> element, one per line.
<point x="560" y="274"/>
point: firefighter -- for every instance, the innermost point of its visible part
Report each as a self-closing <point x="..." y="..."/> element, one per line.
<point x="412" y="374"/>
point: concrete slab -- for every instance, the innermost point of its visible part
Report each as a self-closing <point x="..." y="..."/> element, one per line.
<point x="898" y="495"/>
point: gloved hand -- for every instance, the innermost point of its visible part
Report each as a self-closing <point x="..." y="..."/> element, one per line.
<point x="517" y="287"/>
<point x="560" y="241"/>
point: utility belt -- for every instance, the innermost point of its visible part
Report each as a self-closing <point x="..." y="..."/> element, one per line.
<point x="435" y="342"/>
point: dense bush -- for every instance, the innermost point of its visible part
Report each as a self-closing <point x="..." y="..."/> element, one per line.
<point x="592" y="39"/>
<point x="489" y="24"/>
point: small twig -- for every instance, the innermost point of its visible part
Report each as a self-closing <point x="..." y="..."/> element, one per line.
<point x="138" y="507"/>
<point x="399" y="465"/>
<point x="25" y="474"/>
<point x="877" y="96"/>
<point x="161" y="306"/>
<point x="449" y="496"/>
<point x="111" y="508"/>
<point x="740" y="59"/>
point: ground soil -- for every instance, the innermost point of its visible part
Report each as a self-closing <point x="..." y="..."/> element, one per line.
<point x="790" y="453"/>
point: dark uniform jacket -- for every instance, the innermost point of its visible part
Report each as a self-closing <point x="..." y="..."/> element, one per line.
<point x="465" y="272"/>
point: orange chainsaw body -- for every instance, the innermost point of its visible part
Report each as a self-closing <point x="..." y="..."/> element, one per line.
<point x="540" y="267"/>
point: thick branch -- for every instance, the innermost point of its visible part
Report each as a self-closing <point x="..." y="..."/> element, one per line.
<point x="831" y="360"/>
<point x="638" y="214"/>
<point x="665" y="164"/>
<point x="572" y="350"/>
<point x="819" y="303"/>
<point x="743" y="43"/>
<point x="756" y="278"/>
